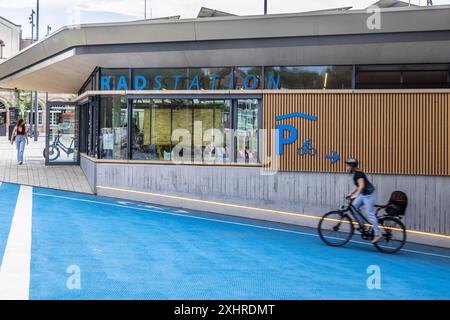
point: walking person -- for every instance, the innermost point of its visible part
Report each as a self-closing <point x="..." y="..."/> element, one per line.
<point x="19" y="136"/>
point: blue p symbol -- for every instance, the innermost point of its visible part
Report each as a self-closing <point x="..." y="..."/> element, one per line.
<point x="293" y="133"/>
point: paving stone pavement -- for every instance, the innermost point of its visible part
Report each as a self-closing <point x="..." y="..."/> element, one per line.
<point x="34" y="172"/>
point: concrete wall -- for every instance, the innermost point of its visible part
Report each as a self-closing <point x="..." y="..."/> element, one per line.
<point x="306" y="193"/>
<point x="89" y="169"/>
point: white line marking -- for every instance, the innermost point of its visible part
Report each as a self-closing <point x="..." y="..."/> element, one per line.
<point x="15" y="268"/>
<point x="226" y="222"/>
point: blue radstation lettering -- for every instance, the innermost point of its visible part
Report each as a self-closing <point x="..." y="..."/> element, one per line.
<point x="180" y="81"/>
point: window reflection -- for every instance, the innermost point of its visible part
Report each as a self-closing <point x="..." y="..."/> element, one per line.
<point x="247" y="131"/>
<point x="113" y="128"/>
<point x="181" y="130"/>
<point x="306" y="77"/>
<point x="212" y="133"/>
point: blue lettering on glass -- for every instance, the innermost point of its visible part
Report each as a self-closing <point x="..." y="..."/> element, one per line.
<point x="272" y="82"/>
<point x="195" y="82"/>
<point x="105" y="83"/>
<point x="158" y="82"/>
<point x="122" y="83"/>
<point x="140" y="82"/>
<point x="254" y="82"/>
<point x="214" y="78"/>
<point x="177" y="80"/>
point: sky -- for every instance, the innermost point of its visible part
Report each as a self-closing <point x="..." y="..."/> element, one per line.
<point x="59" y="13"/>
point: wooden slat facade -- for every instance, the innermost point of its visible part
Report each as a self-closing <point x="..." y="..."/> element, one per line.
<point x="389" y="132"/>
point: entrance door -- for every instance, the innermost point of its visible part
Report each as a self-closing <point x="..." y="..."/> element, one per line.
<point x="62" y="143"/>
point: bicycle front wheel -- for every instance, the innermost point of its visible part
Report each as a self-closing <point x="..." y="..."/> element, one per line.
<point x="53" y="153"/>
<point x="336" y="228"/>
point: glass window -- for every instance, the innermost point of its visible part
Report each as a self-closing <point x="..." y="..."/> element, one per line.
<point x="402" y="76"/>
<point x="113" y="127"/>
<point x="151" y="138"/>
<point x="115" y="79"/>
<point x="425" y="79"/>
<point x="181" y="130"/>
<point x="305" y="77"/>
<point x="210" y="78"/>
<point x="378" y="79"/>
<point x="247" y="131"/>
<point x="248" y="78"/>
<point x="63" y="136"/>
<point x="212" y="133"/>
<point x="160" y="79"/>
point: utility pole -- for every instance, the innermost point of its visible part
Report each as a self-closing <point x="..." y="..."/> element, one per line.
<point x="36" y="110"/>
<point x="145" y="9"/>
<point x="30" y="115"/>
<point x="265" y="7"/>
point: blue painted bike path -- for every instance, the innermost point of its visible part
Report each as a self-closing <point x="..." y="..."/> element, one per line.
<point x="127" y="250"/>
<point x="8" y="199"/>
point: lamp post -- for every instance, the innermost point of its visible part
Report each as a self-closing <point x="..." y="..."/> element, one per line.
<point x="145" y="9"/>
<point x="30" y="116"/>
<point x="37" y="20"/>
<point x="265" y="7"/>
<point x="36" y="105"/>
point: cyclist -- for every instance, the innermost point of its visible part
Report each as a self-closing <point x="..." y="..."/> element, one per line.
<point x="363" y="195"/>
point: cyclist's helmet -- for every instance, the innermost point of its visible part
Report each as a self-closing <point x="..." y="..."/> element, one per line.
<point x="352" y="162"/>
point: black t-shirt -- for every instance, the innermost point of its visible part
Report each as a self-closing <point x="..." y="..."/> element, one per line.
<point x="368" y="187"/>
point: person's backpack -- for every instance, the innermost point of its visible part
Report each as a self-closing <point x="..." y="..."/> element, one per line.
<point x="397" y="204"/>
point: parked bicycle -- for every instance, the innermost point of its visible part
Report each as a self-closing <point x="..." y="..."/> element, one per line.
<point x="54" y="149"/>
<point x="336" y="228"/>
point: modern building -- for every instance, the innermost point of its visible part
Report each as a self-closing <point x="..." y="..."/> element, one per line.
<point x="9" y="45"/>
<point x="254" y="115"/>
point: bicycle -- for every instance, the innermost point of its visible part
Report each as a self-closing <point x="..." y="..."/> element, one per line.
<point x="54" y="149"/>
<point x="307" y="149"/>
<point x="336" y="228"/>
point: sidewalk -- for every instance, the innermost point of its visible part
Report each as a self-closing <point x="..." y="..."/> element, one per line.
<point x="34" y="172"/>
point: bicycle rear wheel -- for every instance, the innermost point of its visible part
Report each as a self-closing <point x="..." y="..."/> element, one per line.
<point x="336" y="228"/>
<point x="394" y="235"/>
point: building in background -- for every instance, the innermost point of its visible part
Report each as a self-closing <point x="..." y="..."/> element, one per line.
<point x="11" y="43"/>
<point x="10" y="35"/>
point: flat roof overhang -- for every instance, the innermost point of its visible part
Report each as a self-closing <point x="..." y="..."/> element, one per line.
<point x="62" y="62"/>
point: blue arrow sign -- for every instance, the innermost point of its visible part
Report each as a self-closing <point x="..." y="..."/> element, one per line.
<point x="334" y="156"/>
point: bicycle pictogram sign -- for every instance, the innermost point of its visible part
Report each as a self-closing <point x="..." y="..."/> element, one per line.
<point x="307" y="149"/>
